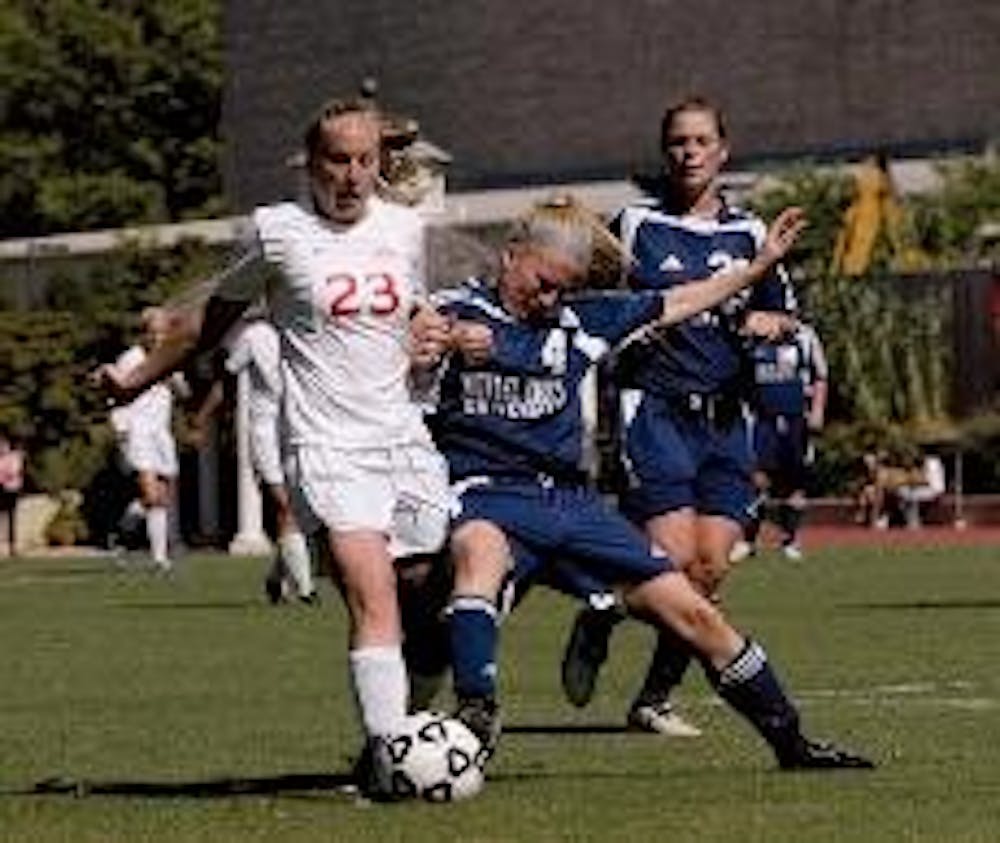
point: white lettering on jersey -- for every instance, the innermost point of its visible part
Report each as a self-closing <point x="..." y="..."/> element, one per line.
<point x="671" y="263"/>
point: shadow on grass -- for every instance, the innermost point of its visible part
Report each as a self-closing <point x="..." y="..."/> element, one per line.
<point x="911" y="605"/>
<point x="206" y="789"/>
<point x="293" y="785"/>
<point x="565" y="729"/>
<point x="215" y="604"/>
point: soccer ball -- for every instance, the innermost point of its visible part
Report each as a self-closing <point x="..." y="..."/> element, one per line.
<point x="431" y="756"/>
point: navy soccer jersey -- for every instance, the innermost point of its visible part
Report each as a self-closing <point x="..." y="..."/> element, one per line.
<point x="519" y="414"/>
<point x="784" y="372"/>
<point x="705" y="354"/>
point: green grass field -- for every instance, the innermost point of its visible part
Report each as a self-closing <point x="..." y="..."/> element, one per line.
<point x="197" y="713"/>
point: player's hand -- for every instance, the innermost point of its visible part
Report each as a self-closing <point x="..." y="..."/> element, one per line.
<point x="430" y="336"/>
<point x="768" y="325"/>
<point x="108" y="380"/>
<point x="474" y="341"/>
<point x="196" y="436"/>
<point x="782" y="234"/>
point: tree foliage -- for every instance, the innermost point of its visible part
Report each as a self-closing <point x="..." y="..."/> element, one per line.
<point x="110" y="113"/>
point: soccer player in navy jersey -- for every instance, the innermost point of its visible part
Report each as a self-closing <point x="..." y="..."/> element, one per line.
<point x="509" y="424"/>
<point x="789" y="404"/>
<point x="684" y="430"/>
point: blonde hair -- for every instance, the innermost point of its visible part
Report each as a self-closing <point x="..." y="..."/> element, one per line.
<point x="565" y="225"/>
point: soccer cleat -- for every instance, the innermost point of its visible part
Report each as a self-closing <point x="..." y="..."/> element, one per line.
<point x="364" y="776"/>
<point x="482" y="717"/>
<point x="816" y="755"/>
<point x="274" y="588"/>
<point x="792" y="552"/>
<point x="310" y="599"/>
<point x="660" y="719"/>
<point x="742" y="550"/>
<point x="586" y="651"/>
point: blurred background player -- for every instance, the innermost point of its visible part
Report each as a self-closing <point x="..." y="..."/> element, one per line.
<point x="256" y="348"/>
<point x="146" y="441"/>
<point x="349" y="274"/>
<point x="790" y="377"/>
<point x="684" y="428"/>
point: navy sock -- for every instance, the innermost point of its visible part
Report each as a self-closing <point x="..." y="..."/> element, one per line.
<point x="790" y="520"/>
<point x="666" y="669"/>
<point x="751" y="687"/>
<point x="473" y="628"/>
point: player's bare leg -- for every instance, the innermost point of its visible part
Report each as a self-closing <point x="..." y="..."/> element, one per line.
<point x="292" y="564"/>
<point x="738" y="670"/>
<point x="154" y="491"/>
<point x="678" y="534"/>
<point x="365" y="574"/>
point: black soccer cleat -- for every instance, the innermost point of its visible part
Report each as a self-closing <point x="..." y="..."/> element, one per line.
<point x="816" y="755"/>
<point x="482" y="717"/>
<point x="586" y="651"/>
<point x="274" y="590"/>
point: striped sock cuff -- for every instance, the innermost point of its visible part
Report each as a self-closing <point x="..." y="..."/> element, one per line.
<point x="471" y="603"/>
<point x="750" y="661"/>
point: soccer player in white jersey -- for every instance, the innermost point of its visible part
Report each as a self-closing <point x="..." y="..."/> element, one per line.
<point x="256" y="348"/>
<point x="146" y="441"/>
<point x="361" y="463"/>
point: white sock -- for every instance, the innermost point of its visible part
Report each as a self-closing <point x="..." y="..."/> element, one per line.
<point x="380" y="687"/>
<point x="295" y="555"/>
<point x="156" y="530"/>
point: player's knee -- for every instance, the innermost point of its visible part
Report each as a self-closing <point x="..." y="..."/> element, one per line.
<point x="709" y="572"/>
<point x="480" y="556"/>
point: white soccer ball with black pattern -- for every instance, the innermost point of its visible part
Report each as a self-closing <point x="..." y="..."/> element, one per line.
<point x="432" y="757"/>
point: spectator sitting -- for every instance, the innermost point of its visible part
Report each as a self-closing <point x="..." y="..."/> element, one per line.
<point x="923" y="484"/>
<point x="870" y="500"/>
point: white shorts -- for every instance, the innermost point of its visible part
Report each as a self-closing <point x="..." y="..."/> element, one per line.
<point x="150" y="450"/>
<point x="265" y="443"/>
<point x="400" y="491"/>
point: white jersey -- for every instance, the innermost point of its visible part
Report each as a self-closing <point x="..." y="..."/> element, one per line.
<point x="151" y="411"/>
<point x="341" y="307"/>
<point x="143" y="427"/>
<point x="257" y="348"/>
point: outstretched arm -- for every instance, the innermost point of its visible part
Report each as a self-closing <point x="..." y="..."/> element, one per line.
<point x="687" y="300"/>
<point x="188" y="334"/>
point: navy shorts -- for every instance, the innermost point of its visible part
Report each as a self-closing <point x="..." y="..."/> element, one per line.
<point x="567" y="537"/>
<point x="678" y="457"/>
<point x="781" y="446"/>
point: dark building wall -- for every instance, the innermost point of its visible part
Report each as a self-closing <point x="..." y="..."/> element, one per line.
<point x="555" y="90"/>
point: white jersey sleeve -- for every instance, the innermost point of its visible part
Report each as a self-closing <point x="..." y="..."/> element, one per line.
<point x="257" y="347"/>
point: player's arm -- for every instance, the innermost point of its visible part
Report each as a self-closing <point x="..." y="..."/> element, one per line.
<point x="190" y="331"/>
<point x="687" y="300"/>
<point x="820" y="384"/>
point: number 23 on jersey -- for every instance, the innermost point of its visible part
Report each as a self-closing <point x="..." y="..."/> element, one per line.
<point x="347" y="294"/>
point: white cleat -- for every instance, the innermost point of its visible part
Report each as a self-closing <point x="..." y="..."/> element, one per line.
<point x="741" y="550"/>
<point x="661" y="719"/>
<point x="792" y="552"/>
